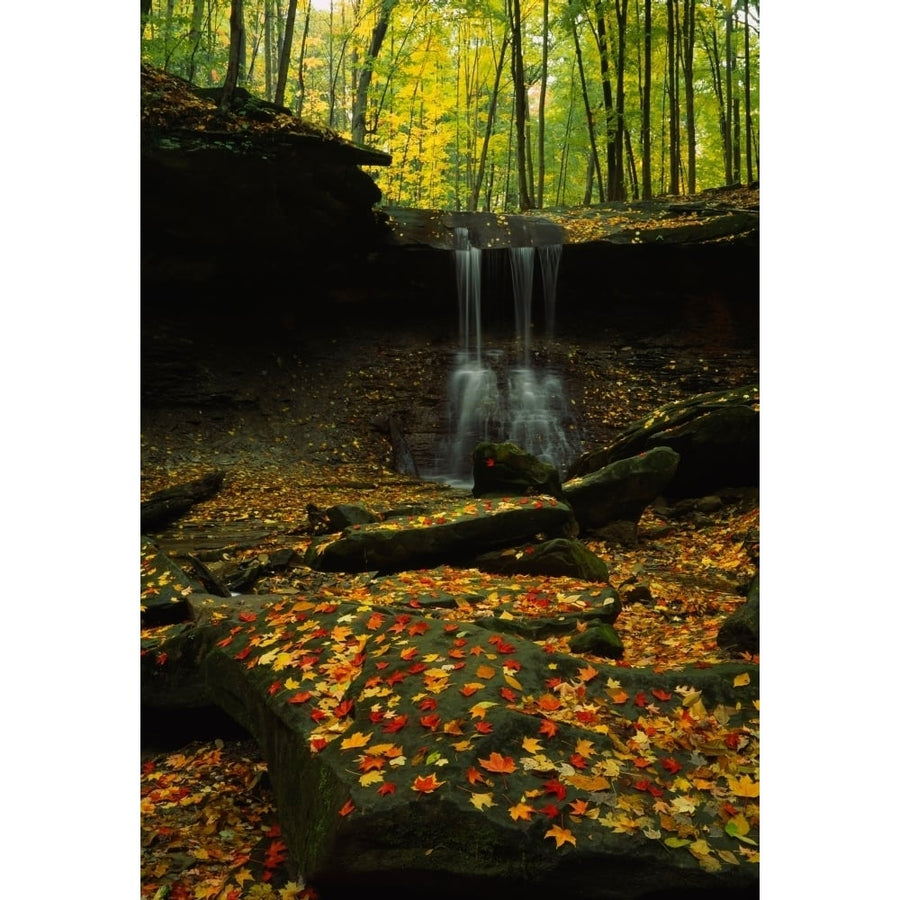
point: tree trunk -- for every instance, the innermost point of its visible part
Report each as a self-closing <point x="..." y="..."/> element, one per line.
<point x="687" y="41"/>
<point x="710" y="43"/>
<point x="608" y="107"/>
<point x="268" y="54"/>
<point x="284" y="61"/>
<point x="489" y="126"/>
<point x="235" y="54"/>
<point x="748" y="113"/>
<point x="619" y="138"/>
<point x="729" y="102"/>
<point x="521" y="103"/>
<point x="646" y="173"/>
<point x="542" y="103"/>
<point x="194" y="36"/>
<point x="674" y="109"/>
<point x="360" y="99"/>
<point x="595" y="159"/>
<point x="301" y="84"/>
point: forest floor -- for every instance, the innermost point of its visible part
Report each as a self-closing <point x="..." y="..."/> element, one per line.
<point x="291" y="427"/>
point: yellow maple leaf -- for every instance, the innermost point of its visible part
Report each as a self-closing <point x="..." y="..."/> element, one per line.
<point x="480" y="801"/>
<point x="282" y="661"/>
<point x="357" y="739"/>
<point x="561" y="836"/>
<point x="587" y="782"/>
<point x="373" y="777"/>
<point x="584" y="748"/>
<point x="242" y="875"/>
<point x="744" y="786"/>
<point x="521" y="811"/>
<point x="531" y="745"/>
<point x="741" y="680"/>
<point x="291" y="891"/>
<point x="340" y="633"/>
<point x="290" y="684"/>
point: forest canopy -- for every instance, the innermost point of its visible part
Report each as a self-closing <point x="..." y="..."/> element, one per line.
<point x="495" y="105"/>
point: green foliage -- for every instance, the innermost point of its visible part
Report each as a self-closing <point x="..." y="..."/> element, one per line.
<point x="432" y="83"/>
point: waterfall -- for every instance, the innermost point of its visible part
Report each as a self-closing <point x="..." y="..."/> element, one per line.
<point x="550" y="255"/>
<point x="490" y="397"/>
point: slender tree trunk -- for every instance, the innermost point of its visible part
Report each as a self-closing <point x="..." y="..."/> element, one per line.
<point x="564" y="157"/>
<point x="748" y="110"/>
<point x="646" y="173"/>
<point x="674" y="110"/>
<point x="711" y="45"/>
<point x="608" y="106"/>
<point x="301" y="83"/>
<point x="730" y="173"/>
<point x="542" y="103"/>
<point x="194" y="36"/>
<point x="619" y="139"/>
<point x="489" y="126"/>
<point x="521" y="103"/>
<point x="687" y="42"/>
<point x="284" y="62"/>
<point x="268" y="52"/>
<point x="235" y="54"/>
<point x="360" y="100"/>
<point x="595" y="159"/>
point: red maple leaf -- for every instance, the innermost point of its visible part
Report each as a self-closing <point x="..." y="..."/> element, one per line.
<point x="347" y="808"/>
<point x="660" y="694"/>
<point x="387" y="788"/>
<point x="508" y="694"/>
<point x="671" y="765"/>
<point x="428" y="703"/>
<point x="343" y="708"/>
<point x="395" y="724"/>
<point x="419" y="627"/>
<point x="431" y="722"/>
<point x="553" y="786"/>
<point x="548" y="727"/>
<point x="300" y="697"/>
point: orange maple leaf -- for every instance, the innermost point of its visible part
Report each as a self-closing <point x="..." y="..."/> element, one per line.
<point x="587" y="673"/>
<point x="425" y="784"/>
<point x="498" y="763"/>
<point x="548" y="727"/>
<point x="548" y="702"/>
<point x="561" y="836"/>
<point x="347" y="808"/>
<point x="521" y="811"/>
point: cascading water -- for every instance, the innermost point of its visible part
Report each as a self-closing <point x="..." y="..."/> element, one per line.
<point x="491" y="398"/>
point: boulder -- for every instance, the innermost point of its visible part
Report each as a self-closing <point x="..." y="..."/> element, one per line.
<point x="418" y="754"/>
<point x="740" y="631"/>
<point x="444" y="536"/>
<point x="503" y="470"/>
<point x="716" y="436"/>
<point x="622" y="490"/>
<point x="559" y="557"/>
